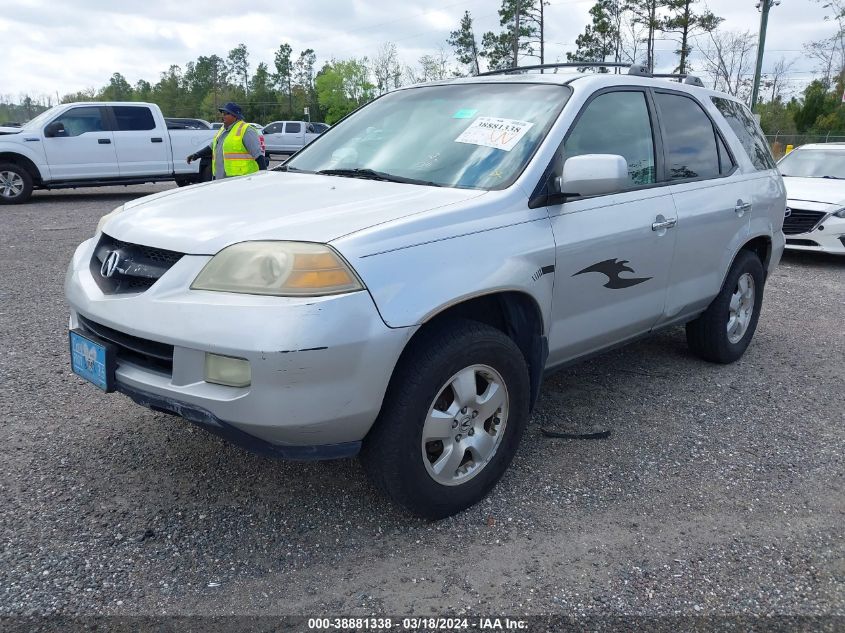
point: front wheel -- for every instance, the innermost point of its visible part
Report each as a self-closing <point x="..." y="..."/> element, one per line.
<point x="452" y="419"/>
<point x="15" y="184"/>
<point x="723" y="332"/>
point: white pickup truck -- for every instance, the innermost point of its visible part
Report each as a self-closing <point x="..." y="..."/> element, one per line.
<point x="96" y="144"/>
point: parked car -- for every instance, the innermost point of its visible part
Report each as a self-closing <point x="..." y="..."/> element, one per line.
<point x="400" y="291"/>
<point x="287" y="137"/>
<point x="176" y="123"/>
<point x="814" y="176"/>
<point x="216" y="125"/>
<point x="95" y="144"/>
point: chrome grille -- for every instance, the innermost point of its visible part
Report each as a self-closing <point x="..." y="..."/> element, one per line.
<point x="801" y="221"/>
<point x="138" y="267"/>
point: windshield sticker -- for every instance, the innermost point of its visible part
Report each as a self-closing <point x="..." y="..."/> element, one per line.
<point x="489" y="131"/>
<point x="464" y="114"/>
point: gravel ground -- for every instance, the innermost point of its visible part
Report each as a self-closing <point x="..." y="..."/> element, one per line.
<point x="719" y="492"/>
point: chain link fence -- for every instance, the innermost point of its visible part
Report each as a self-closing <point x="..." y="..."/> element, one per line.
<point x="779" y="142"/>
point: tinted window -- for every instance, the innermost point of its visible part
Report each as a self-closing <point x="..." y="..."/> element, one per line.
<point x="293" y="127"/>
<point x="616" y="123"/>
<point x="690" y="138"/>
<point x="747" y="131"/>
<point x="81" y="120"/>
<point x="273" y="129"/>
<point x="133" y="118"/>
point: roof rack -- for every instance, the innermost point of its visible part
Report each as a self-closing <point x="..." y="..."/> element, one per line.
<point x="636" y="70"/>
<point x="518" y="69"/>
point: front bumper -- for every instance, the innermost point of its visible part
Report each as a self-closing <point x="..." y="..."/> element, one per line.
<point x="827" y="237"/>
<point x="320" y="365"/>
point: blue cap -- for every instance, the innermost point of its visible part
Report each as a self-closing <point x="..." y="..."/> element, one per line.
<point x="232" y="108"/>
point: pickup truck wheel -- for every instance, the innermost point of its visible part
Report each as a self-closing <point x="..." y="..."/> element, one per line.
<point x="15" y="184"/>
<point x="723" y="332"/>
<point x="452" y="419"/>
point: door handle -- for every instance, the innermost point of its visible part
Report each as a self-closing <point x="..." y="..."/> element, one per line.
<point x="742" y="208"/>
<point x="662" y="224"/>
<point x="104" y="141"/>
<point x="156" y="139"/>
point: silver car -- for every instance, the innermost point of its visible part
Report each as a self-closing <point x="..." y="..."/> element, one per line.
<point x="400" y="287"/>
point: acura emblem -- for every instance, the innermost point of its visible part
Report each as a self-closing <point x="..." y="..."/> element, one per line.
<point x="110" y="264"/>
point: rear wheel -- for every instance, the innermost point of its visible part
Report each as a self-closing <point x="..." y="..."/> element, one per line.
<point x="15" y="184"/>
<point x="723" y="332"/>
<point x="451" y="421"/>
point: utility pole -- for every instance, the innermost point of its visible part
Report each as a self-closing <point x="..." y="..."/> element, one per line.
<point x="516" y="37"/>
<point x="763" y="6"/>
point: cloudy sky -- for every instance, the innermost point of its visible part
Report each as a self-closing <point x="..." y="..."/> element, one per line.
<point x="61" y="47"/>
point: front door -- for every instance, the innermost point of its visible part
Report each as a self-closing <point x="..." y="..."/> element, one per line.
<point x="613" y="252"/>
<point x="84" y="146"/>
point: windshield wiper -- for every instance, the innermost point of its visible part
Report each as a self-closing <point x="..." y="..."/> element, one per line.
<point x="371" y="174"/>
<point x="834" y="177"/>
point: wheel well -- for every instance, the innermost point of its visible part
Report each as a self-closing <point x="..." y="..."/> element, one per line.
<point x="762" y="247"/>
<point x="23" y="161"/>
<point x="517" y="315"/>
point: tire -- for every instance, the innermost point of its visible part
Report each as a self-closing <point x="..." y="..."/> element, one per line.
<point x="183" y="182"/>
<point x="15" y="184"/>
<point x="205" y="174"/>
<point x="402" y="455"/>
<point x="723" y="332"/>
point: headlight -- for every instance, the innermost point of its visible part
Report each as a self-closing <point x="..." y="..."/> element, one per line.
<point x="840" y="213"/>
<point x="107" y="217"/>
<point x="278" y="268"/>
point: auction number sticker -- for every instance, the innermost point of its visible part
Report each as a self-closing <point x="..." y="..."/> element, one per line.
<point x="497" y="133"/>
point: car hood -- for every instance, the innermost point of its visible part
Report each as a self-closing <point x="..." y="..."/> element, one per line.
<point x="10" y="130"/>
<point x="823" y="190"/>
<point x="203" y="219"/>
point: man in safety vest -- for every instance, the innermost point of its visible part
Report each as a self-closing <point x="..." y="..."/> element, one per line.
<point x="235" y="149"/>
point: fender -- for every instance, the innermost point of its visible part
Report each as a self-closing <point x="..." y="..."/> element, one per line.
<point x="470" y="252"/>
<point x="22" y="148"/>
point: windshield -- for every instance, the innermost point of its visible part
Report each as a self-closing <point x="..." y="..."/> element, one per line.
<point x="40" y="119"/>
<point x="477" y="136"/>
<point x="814" y="163"/>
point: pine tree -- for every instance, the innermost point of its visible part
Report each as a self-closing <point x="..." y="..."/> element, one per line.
<point x="682" y="22"/>
<point x="601" y="39"/>
<point x="502" y="50"/>
<point x="463" y="41"/>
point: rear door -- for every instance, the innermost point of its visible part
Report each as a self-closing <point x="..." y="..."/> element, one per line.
<point x="141" y="147"/>
<point x="294" y="136"/>
<point x="613" y="252"/>
<point x="84" y="149"/>
<point x="712" y="195"/>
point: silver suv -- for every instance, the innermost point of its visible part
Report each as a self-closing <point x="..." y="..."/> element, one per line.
<point x="401" y="286"/>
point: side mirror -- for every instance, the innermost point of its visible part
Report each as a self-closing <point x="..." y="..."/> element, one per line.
<point x="594" y="175"/>
<point x="54" y="129"/>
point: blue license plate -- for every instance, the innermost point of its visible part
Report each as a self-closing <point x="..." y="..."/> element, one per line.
<point x="92" y="360"/>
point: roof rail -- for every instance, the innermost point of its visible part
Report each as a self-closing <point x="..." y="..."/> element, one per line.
<point x="517" y="69"/>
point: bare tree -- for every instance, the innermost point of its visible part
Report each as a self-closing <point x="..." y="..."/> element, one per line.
<point x="775" y="79"/>
<point x="728" y="58"/>
<point x="631" y="38"/>
<point x="386" y="68"/>
<point x="431" y="68"/>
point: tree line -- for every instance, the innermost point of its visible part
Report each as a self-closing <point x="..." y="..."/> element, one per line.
<point x="620" y="31"/>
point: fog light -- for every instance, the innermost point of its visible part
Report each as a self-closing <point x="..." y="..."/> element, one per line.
<point x="225" y="370"/>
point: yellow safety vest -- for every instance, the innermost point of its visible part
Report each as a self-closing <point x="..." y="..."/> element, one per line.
<point x="237" y="161"/>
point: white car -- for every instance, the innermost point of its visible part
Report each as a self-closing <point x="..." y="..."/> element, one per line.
<point x="814" y="176"/>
